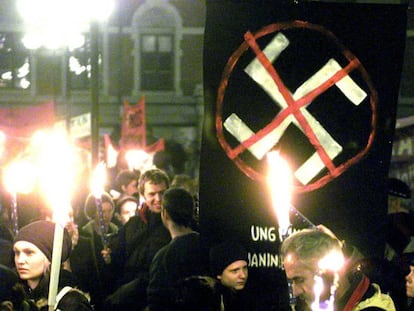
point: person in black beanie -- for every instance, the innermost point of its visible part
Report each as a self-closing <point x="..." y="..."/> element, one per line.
<point x="33" y="247"/>
<point x="226" y="257"/>
<point x="240" y="290"/>
<point x="229" y="265"/>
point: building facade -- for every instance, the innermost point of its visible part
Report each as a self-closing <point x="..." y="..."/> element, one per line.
<point x="147" y="48"/>
<point x="150" y="49"/>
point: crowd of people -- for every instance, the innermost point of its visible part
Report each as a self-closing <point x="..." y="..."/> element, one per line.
<point x="139" y="248"/>
<point x="126" y="252"/>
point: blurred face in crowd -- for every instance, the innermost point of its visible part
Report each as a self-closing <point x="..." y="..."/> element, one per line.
<point x="131" y="189"/>
<point x="128" y="209"/>
<point x="30" y="262"/>
<point x="409" y="282"/>
<point x="107" y="211"/>
<point x="153" y="195"/>
<point x="302" y="277"/>
<point x="235" y="275"/>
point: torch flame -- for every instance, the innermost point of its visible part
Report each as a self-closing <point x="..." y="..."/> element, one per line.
<point x="111" y="156"/>
<point x="279" y="179"/>
<point x="2" y="143"/>
<point x="19" y="177"/>
<point x="317" y="291"/>
<point x="98" y="179"/>
<point x="55" y="161"/>
<point x="138" y="159"/>
<point x="333" y="261"/>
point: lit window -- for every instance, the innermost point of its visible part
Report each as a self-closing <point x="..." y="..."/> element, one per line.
<point x="148" y="44"/>
<point x="165" y="44"/>
<point x="14" y="62"/>
<point x="80" y="67"/>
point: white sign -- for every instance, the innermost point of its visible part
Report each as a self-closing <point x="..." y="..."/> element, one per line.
<point x="80" y="126"/>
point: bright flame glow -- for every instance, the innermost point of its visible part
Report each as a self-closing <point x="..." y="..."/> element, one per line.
<point x="111" y="156"/>
<point x="138" y="159"/>
<point x="56" y="163"/>
<point x="279" y="180"/>
<point x="2" y="143"/>
<point x="317" y="291"/>
<point x="333" y="261"/>
<point x="98" y="179"/>
<point x="20" y="177"/>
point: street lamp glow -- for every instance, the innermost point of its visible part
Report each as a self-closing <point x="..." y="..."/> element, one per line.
<point x="98" y="10"/>
<point x="60" y="23"/>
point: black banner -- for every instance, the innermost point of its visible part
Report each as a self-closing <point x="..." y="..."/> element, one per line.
<point x="317" y="81"/>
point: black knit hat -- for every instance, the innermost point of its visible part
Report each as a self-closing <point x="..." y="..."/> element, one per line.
<point x="224" y="254"/>
<point x="398" y="188"/>
<point x="41" y="233"/>
<point x="7" y="280"/>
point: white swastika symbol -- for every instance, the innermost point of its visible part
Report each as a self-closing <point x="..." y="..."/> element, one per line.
<point x="258" y="73"/>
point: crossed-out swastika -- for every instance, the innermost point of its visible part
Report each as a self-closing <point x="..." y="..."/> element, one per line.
<point x="294" y="107"/>
<point x="259" y="73"/>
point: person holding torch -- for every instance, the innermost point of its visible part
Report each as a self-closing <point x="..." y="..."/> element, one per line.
<point x="91" y="257"/>
<point x="33" y="247"/>
<point x="343" y="286"/>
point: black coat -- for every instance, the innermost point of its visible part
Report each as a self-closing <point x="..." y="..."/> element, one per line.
<point x="73" y="300"/>
<point x="181" y="258"/>
<point x="95" y="276"/>
<point x="138" y="242"/>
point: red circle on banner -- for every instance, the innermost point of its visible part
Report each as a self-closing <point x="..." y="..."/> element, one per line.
<point x="294" y="106"/>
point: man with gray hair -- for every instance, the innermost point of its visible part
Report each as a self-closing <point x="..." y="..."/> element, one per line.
<point x="304" y="256"/>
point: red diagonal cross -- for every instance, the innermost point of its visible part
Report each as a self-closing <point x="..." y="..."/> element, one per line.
<point x="293" y="106"/>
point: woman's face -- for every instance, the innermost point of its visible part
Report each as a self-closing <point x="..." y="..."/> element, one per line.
<point x="235" y="275"/>
<point x="30" y="262"/>
<point x="409" y="282"/>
